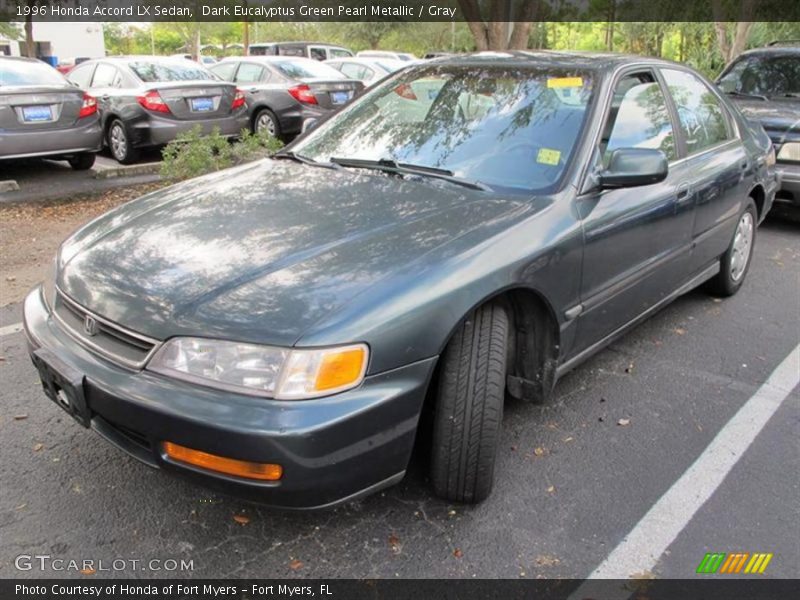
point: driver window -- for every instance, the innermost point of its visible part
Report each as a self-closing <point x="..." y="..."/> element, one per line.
<point x="638" y="118"/>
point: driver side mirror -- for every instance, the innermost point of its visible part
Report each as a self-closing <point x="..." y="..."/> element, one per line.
<point x="633" y="167"/>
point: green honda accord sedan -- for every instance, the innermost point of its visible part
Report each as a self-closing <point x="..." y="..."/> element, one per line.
<point x="466" y="231"/>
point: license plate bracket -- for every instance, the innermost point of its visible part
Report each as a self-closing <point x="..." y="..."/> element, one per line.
<point x="202" y="104"/>
<point x="37" y="114"/>
<point x="63" y="385"/>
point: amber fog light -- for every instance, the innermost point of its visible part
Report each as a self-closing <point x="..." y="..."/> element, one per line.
<point x="220" y="464"/>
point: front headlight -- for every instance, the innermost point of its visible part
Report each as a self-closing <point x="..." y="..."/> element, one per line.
<point x="281" y="373"/>
<point x="790" y="151"/>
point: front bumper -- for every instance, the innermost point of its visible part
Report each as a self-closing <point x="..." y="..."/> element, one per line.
<point x="58" y="142"/>
<point x="158" y="131"/>
<point x="331" y="449"/>
<point x="789" y="174"/>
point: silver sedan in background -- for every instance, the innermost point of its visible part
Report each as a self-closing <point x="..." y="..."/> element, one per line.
<point x="41" y="114"/>
<point x="147" y="101"/>
<point x="368" y="71"/>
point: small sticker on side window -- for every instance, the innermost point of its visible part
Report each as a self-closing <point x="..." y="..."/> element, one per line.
<point x="565" y="82"/>
<point x="548" y="156"/>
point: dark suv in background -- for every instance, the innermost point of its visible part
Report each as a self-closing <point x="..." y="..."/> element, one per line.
<point x="765" y="84"/>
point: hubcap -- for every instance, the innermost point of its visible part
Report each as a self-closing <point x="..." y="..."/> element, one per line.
<point x="742" y="246"/>
<point x="265" y="122"/>
<point x="119" y="144"/>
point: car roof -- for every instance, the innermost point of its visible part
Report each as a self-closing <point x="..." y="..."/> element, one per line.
<point x="594" y="61"/>
<point x="21" y="59"/>
<point x="774" y="50"/>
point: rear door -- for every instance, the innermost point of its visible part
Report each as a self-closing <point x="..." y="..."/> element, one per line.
<point x="637" y="239"/>
<point x="717" y="164"/>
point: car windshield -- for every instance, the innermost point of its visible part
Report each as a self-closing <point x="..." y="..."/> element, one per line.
<point x="764" y="75"/>
<point x="178" y="70"/>
<point x="306" y="69"/>
<point x="512" y="128"/>
<point x="23" y="72"/>
<point x="390" y="66"/>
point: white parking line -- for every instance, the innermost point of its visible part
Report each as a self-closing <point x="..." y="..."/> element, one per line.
<point x="645" y="544"/>
<point x="9" y="329"/>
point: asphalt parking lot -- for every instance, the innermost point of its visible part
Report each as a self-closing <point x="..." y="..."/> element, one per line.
<point x="577" y="478"/>
<point x="40" y="179"/>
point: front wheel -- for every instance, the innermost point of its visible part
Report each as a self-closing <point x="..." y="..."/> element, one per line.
<point x="735" y="263"/>
<point x="469" y="407"/>
<point x="82" y="161"/>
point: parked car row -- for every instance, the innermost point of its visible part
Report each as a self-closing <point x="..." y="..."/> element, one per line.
<point x="126" y="104"/>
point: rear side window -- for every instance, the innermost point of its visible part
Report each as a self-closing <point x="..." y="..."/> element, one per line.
<point x="23" y="72"/>
<point x="105" y="76"/>
<point x="81" y="76"/>
<point x="225" y="70"/>
<point x="317" y="53"/>
<point x="638" y="119"/>
<point x="152" y="72"/>
<point x="339" y="53"/>
<point x="249" y="73"/>
<point x="355" y="71"/>
<point x="702" y="117"/>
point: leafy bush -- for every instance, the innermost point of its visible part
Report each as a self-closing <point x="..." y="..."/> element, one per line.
<point x="193" y="153"/>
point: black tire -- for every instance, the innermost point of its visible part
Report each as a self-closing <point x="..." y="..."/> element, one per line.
<point x="121" y="148"/>
<point x="82" y="161"/>
<point x="266" y="119"/>
<point x="729" y="279"/>
<point x="469" y="407"/>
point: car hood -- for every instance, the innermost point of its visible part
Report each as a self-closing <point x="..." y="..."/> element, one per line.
<point x="779" y="117"/>
<point x="262" y="252"/>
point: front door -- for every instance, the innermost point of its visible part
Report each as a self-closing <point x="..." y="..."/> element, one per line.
<point x="636" y="240"/>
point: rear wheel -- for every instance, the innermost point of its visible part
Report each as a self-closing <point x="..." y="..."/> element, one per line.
<point x="82" y="161"/>
<point x="266" y="121"/>
<point x="119" y="143"/>
<point x="469" y="407"/>
<point x="735" y="263"/>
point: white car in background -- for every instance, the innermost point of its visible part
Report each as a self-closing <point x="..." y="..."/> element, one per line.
<point x="405" y="57"/>
<point x="366" y="70"/>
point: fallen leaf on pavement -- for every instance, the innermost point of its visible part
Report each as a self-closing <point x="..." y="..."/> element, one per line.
<point x="457" y="553"/>
<point x="568" y="439"/>
<point x="551" y="489"/>
<point x="20" y="417"/>
<point x="394" y="543"/>
<point x="88" y="571"/>
<point x="38" y="447"/>
<point x="296" y="564"/>
<point x="241" y="519"/>
<point x="624" y="422"/>
<point x="680" y="331"/>
<point x="539" y="451"/>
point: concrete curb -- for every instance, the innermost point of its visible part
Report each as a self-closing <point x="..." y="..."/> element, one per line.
<point x="8" y="185"/>
<point x="107" y="172"/>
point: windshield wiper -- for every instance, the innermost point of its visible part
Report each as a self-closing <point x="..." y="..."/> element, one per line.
<point x="390" y="166"/>
<point x="743" y="95"/>
<point x="292" y="155"/>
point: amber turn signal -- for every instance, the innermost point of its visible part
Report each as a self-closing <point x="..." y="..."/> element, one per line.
<point x="220" y="464"/>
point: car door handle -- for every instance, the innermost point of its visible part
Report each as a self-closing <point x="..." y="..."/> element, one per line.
<point x="683" y="194"/>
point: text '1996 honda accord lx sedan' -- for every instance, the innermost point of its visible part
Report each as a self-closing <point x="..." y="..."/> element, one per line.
<point x="468" y="229"/>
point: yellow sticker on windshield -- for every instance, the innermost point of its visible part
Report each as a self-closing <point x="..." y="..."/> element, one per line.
<point x="565" y="82"/>
<point x="548" y="156"/>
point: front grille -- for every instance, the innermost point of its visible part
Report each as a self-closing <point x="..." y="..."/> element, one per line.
<point x="116" y="343"/>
